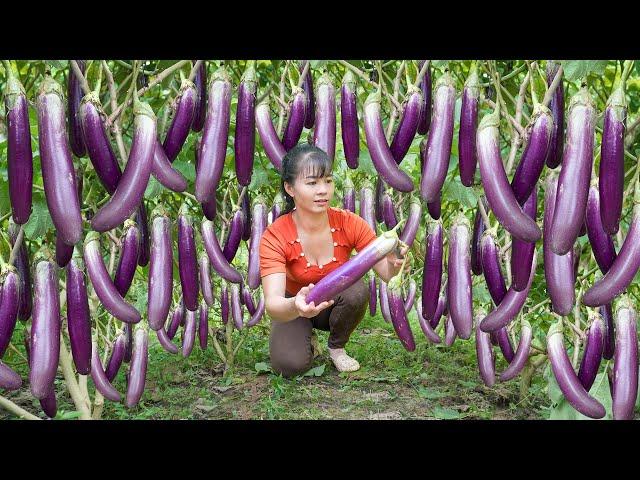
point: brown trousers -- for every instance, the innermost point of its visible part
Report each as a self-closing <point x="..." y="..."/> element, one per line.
<point x="290" y="342"/>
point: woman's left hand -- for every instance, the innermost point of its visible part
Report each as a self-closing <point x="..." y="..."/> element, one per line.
<point x="395" y="262"/>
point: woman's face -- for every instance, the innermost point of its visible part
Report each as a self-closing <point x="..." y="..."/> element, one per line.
<point x="310" y="193"/>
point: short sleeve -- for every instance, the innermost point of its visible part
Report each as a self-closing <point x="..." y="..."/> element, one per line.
<point x="272" y="254"/>
<point x="359" y="231"/>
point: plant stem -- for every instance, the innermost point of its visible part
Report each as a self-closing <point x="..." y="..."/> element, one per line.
<point x="194" y="70"/>
<point x="83" y="81"/>
<point x="15" y="409"/>
<point x="552" y="88"/>
<point x="16" y="245"/>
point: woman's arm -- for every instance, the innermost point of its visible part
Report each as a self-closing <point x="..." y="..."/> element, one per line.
<point x="284" y="309"/>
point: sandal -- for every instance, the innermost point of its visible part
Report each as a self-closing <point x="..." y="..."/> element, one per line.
<point x="342" y="361"/>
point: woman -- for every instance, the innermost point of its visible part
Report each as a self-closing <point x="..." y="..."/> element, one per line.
<point x="307" y="241"/>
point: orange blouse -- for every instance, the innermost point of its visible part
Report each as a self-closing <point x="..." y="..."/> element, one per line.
<point x="281" y="250"/>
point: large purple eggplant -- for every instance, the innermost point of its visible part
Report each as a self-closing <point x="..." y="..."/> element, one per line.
<point x="324" y="132"/>
<point x="145" y="244"/>
<point x="45" y="329"/>
<point x="592" y="351"/>
<point x="245" y="135"/>
<point x="165" y="173"/>
<point x="78" y="316"/>
<point x="425" y="114"/>
<point x="74" y="95"/>
<point x="310" y="115"/>
<point x="558" y="269"/>
<point x="438" y="149"/>
<point x="432" y="272"/>
<point x="23" y="267"/>
<point x="367" y="211"/>
<point x="257" y="229"/>
<point x="522" y="252"/>
<point x="213" y="149"/>
<point x="468" y="123"/>
<point x="183" y="107"/>
<point x="490" y="255"/>
<point x="128" y="258"/>
<point x="538" y="137"/>
<point x="9" y="305"/>
<point x="425" y="326"/>
<point x="567" y="379"/>
<point x="268" y="136"/>
<point x="102" y="284"/>
<point x="379" y="150"/>
<point x="601" y="243"/>
<point x="295" y="121"/>
<point x="187" y="262"/>
<point x="556" y="145"/>
<point x="399" y="315"/>
<point x="476" y="239"/>
<point x="408" y="125"/>
<point x="410" y="229"/>
<point x="58" y="175"/>
<point x="116" y="357"/>
<point x="501" y="199"/>
<point x="205" y="279"/>
<point x="219" y="262"/>
<point x="246" y="209"/>
<point x="133" y="183"/>
<point x="459" y="293"/>
<point x="484" y="353"/>
<point x="200" y="111"/>
<point x="609" y="331"/>
<point x="575" y="174"/>
<point x="19" y="154"/>
<point x="625" y="362"/>
<point x="519" y="360"/>
<point x="160" y="285"/>
<point x="102" y="383"/>
<point x="138" y="367"/>
<point x="349" y="120"/>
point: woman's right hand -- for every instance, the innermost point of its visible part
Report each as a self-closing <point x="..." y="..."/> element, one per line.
<point x="309" y="310"/>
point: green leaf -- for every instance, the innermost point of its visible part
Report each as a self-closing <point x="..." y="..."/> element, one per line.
<point x="445" y="413"/>
<point x="365" y="163"/>
<point x="481" y="294"/>
<point x="5" y="203"/>
<point x="439" y="63"/>
<point x="430" y="393"/>
<point x="59" y="64"/>
<point x="154" y="188"/>
<point x="39" y="221"/>
<point x="315" y="371"/>
<point x="318" y="63"/>
<point x="187" y="169"/>
<point x="262" y="367"/>
<point x="575" y="69"/>
<point x="465" y="196"/>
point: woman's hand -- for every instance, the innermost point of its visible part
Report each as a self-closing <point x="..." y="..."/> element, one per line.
<point x="309" y="310"/>
<point x="395" y="261"/>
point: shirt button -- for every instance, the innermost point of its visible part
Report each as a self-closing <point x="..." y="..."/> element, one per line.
<point x="320" y="266"/>
<point x="334" y="259"/>
<point x="335" y="244"/>
<point x="333" y="230"/>
<point x="298" y="240"/>
<point x="308" y="264"/>
<point x="302" y="254"/>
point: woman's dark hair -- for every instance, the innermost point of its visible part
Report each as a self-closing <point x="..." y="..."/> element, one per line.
<point x="312" y="159"/>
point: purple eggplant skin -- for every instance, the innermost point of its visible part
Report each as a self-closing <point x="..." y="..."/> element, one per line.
<point x="116" y="357"/>
<point x="19" y="154"/>
<point x="478" y="229"/>
<point x="440" y="310"/>
<point x="504" y="342"/>
<point x="500" y="197"/>
<point x="203" y="325"/>
<point x="532" y="161"/>
<point x="247" y="300"/>
<point x="558" y="269"/>
<point x="58" y="175"/>
<point x="601" y="243"/>
<point x="184" y="109"/>
<point x="450" y="333"/>
<point x="411" y="296"/>
<point x="349" y="120"/>
<point x="490" y="255"/>
<point x="9" y="305"/>
<point x="310" y="112"/>
<point x="426" y="327"/>
<point x="432" y="273"/>
<point x="97" y="142"/>
<point x="63" y="252"/>
<point x="556" y="145"/>
<point x="128" y="258"/>
<point x="102" y="284"/>
<point x="200" y="109"/>
<point x="625" y="362"/>
<point x="484" y="352"/>
<point x="425" y="114"/>
<point x="295" y="120"/>
<point x="176" y="319"/>
<point x="165" y="173"/>
<point x="209" y="206"/>
<point x="621" y="273"/>
<point x="575" y="174"/>
<point x="102" y="383"/>
<point x="128" y="337"/>
<point x="354" y="269"/>
<point x="236" y="307"/>
<point x="189" y="335"/>
<point x="245" y="137"/>
<point x="380" y="188"/>
<point x="246" y="209"/>
<point x="160" y="285"/>
<point x="268" y="136"/>
<point x="510" y="305"/>
<point x="224" y="302"/>
<point x="459" y="277"/>
<point x="522" y="353"/>
<point x="45" y="329"/>
<point x="213" y="148"/>
<point x="522" y="252"/>
<point x="74" y="96"/>
<point x="257" y="229"/>
<point x="612" y="161"/>
<point x="131" y="187"/>
<point x="205" y="279"/>
<point x="138" y="367"/>
<point x="399" y="315"/>
<point x="438" y="149"/>
<point x="219" y="262"/>
<point x="384" y="301"/>
<point x="609" y="332"/>
<point x="434" y="208"/>
<point x="324" y="132"/>
<point x="367" y="211"/>
<point x="408" y="125"/>
<point x="259" y="313"/>
<point x="349" y="196"/>
<point x="22" y="265"/>
<point x="145" y="244"/>
<point x="410" y="229"/>
<point x="567" y="379"/>
<point x="187" y="262"/>
<point x="388" y="211"/>
<point x="592" y="356"/>
<point x="381" y="155"/>
<point x="9" y="380"/>
<point x="373" y="295"/>
<point x="78" y="316"/>
<point x="165" y="341"/>
<point x="468" y="123"/>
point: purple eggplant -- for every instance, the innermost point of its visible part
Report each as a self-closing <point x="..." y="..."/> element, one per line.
<point x="203" y="325"/>
<point x="522" y="252"/>
<point x="625" y="362"/>
<point x="200" y="110"/>
<point x="411" y="295"/>
<point x="78" y="316"/>
<point x="324" y="132"/>
<point x="501" y="199"/>
<point x="399" y="315"/>
<point x="384" y="301"/>
<point x="74" y="95"/>
<point x="491" y="267"/>
<point x="236" y="306"/>
<point x="23" y="267"/>
<point x="63" y="252"/>
<point x="128" y="258"/>
<point x="426" y="327"/>
<point x="440" y="310"/>
<point x="128" y="342"/>
<point x="310" y="114"/>
<point x="592" y="351"/>
<point x="205" y="279"/>
<point x="408" y="125"/>
<point x="257" y="229"/>
<point x="259" y="312"/>
<point x="501" y="337"/>
<point x="459" y="293"/>
<point x="410" y="229"/>
<point x="224" y="302"/>
<point x="102" y="284"/>
<point x="58" y="175"/>
<point x="189" y="333"/>
<point x="278" y="206"/>
<point x="219" y="262"/>
<point x="165" y="341"/>
<point x="380" y="188"/>
<point x="438" y="148"/>
<point x="245" y="135"/>
<point x="268" y="136"/>
<point x="367" y="206"/>
<point x="556" y="145"/>
<point x="116" y="357"/>
<point x="295" y="121"/>
<point x="601" y="243"/>
<point x="165" y="173"/>
<point x="9" y="380"/>
<point x="102" y="383"/>
<point x="432" y="273"/>
<point x="183" y="107"/>
<point x="388" y="211"/>
<point x="19" y="154"/>
<point x="468" y="123"/>
<point x="246" y="209"/>
<point x="434" y="208"/>
<point x="484" y="352"/>
<point x="9" y="305"/>
<point x="349" y="120"/>
<point x="247" y="300"/>
<point x="522" y="353"/>
<point x="133" y="183"/>
<point x="145" y="244"/>
<point x="450" y="333"/>
<point x="209" y="206"/>
<point x="425" y="114"/>
<point x="177" y="318"/>
<point x="160" y="285"/>
<point x="187" y="262"/>
<point x="373" y="294"/>
<point x="609" y="331"/>
<point x="476" y="239"/>
<point x="138" y="367"/>
<point x="349" y="195"/>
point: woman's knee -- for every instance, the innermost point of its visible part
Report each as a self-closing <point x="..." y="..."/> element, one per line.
<point x="356" y="296"/>
<point x="289" y="365"/>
